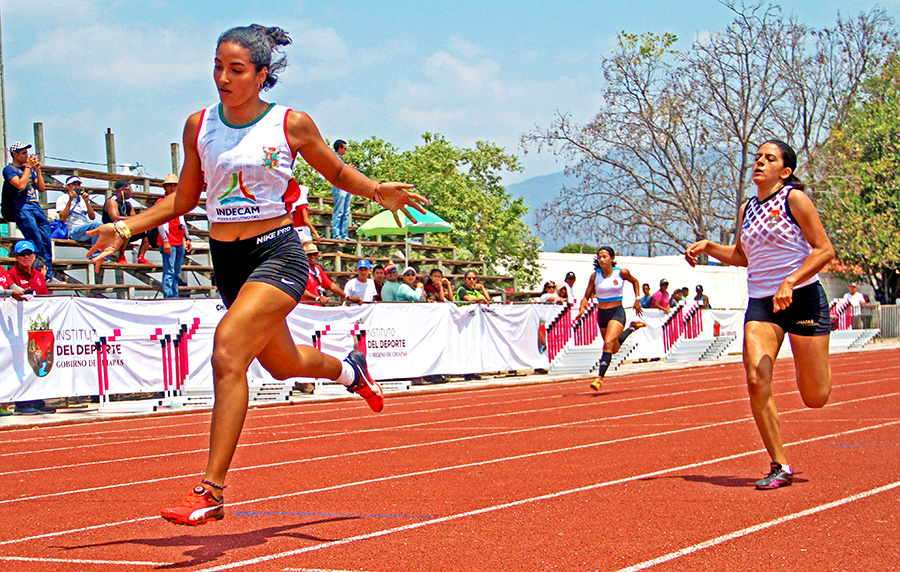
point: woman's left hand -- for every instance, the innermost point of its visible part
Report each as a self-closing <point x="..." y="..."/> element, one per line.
<point x="395" y="197"/>
<point x="783" y="297"/>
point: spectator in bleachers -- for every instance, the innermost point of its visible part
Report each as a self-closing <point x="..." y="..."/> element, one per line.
<point x="318" y="282"/>
<point x="549" y="294"/>
<point x="411" y="288"/>
<point x="471" y="290"/>
<point x="24" y="273"/>
<point x="362" y="287"/>
<point x="9" y="288"/>
<point x="391" y="286"/>
<point x="660" y="299"/>
<point x="676" y="297"/>
<point x="76" y="211"/>
<point x="702" y="298"/>
<point x="647" y="298"/>
<point x="437" y="286"/>
<point x="340" y="216"/>
<point x="566" y="290"/>
<point x="118" y="207"/>
<point x="378" y="279"/>
<point x="173" y="242"/>
<point x="22" y="183"/>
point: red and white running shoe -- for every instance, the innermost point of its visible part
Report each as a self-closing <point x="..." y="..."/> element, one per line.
<point x="197" y="508"/>
<point x="363" y="384"/>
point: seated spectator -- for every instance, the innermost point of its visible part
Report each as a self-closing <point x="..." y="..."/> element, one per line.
<point x="361" y="287"/>
<point x="566" y="290"/>
<point x="675" y="300"/>
<point x="647" y="298"/>
<point x="318" y="282"/>
<point x="702" y="298"/>
<point x="438" y="286"/>
<point x="411" y="288"/>
<point x="391" y="286"/>
<point x="76" y="211"/>
<point x="22" y="183"/>
<point x="378" y="279"/>
<point x="430" y="297"/>
<point x="660" y="298"/>
<point x="471" y="290"/>
<point x="23" y="273"/>
<point x="685" y="293"/>
<point x="549" y="293"/>
<point x="118" y="207"/>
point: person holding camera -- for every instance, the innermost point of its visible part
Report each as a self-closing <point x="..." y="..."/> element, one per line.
<point x="22" y="181"/>
<point x="76" y="211"/>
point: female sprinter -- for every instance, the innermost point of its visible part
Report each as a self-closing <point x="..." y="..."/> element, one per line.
<point x="608" y="285"/>
<point x="242" y="149"/>
<point x="783" y="245"/>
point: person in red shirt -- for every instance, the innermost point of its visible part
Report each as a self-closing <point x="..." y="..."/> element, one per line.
<point x="173" y="243"/>
<point x="23" y="272"/>
<point x="319" y="282"/>
<point x="6" y="287"/>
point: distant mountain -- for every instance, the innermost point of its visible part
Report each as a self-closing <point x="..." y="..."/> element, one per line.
<point x="535" y="192"/>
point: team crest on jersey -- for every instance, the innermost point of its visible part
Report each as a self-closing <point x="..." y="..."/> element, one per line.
<point x="270" y="157"/>
<point x="237" y="192"/>
<point x="40" y="346"/>
<point x="774" y="215"/>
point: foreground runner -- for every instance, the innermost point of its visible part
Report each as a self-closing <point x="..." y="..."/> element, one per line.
<point x="243" y="150"/>
<point x="608" y="285"/>
<point x="783" y="245"/>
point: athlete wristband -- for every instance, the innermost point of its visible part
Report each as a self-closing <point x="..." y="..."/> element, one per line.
<point x="122" y="230"/>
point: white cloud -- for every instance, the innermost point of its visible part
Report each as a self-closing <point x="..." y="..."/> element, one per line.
<point x="464" y="48"/>
<point x="447" y="68"/>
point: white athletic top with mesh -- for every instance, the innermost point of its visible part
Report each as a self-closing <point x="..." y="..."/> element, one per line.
<point x="246" y="167"/>
<point x="773" y="242"/>
<point x="610" y="288"/>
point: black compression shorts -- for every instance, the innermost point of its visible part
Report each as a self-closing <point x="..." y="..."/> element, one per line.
<point x="806" y="316"/>
<point x="275" y="258"/>
<point x="606" y="315"/>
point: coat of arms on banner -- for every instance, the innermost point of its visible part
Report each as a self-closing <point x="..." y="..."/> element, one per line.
<point x="40" y="346"/>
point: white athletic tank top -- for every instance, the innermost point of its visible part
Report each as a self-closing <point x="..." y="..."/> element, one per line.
<point x="608" y="289"/>
<point x="773" y="242"/>
<point x="246" y="167"/>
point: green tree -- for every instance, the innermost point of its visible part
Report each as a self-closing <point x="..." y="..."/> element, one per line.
<point x="463" y="186"/>
<point x="861" y="205"/>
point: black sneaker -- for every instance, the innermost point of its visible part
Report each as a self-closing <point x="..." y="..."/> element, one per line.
<point x="363" y="384"/>
<point x="778" y="477"/>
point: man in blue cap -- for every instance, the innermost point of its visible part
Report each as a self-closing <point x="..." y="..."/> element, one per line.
<point x="23" y="273"/>
<point x="22" y="181"/>
<point x="362" y="288"/>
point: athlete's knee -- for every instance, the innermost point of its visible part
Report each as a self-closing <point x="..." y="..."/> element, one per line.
<point x="611" y="347"/>
<point x="759" y="382"/>
<point x="817" y="398"/>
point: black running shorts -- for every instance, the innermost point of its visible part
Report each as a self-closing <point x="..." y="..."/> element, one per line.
<point x="275" y="258"/>
<point x="806" y="316"/>
<point x="606" y="315"/>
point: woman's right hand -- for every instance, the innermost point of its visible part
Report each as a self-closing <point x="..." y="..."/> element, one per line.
<point x="395" y="197"/>
<point x="695" y="250"/>
<point x="108" y="242"/>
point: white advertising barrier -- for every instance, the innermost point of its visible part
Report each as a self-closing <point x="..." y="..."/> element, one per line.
<point x="47" y="349"/>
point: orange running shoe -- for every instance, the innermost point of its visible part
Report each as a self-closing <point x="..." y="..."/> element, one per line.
<point x="364" y="385"/>
<point x="197" y="508"/>
<point x="598" y="383"/>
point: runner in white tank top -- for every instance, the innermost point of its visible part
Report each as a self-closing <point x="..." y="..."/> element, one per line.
<point x="784" y="245"/>
<point x="608" y="285"/>
<point x="243" y="150"/>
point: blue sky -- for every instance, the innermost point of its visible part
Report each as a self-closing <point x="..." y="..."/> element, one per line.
<point x="471" y="70"/>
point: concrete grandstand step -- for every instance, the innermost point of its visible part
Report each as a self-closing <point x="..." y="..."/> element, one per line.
<point x="689" y="350"/>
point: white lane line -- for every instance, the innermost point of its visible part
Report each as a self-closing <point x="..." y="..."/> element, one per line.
<point x="447" y="441"/>
<point x="468" y="465"/>
<point x="485" y="510"/>
<point x="82" y="561"/>
<point x="756" y="528"/>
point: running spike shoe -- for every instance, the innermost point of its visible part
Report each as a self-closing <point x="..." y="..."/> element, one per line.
<point x="363" y="384"/>
<point x="197" y="508"/>
<point x="778" y="477"/>
<point x="637" y="325"/>
<point x="598" y="383"/>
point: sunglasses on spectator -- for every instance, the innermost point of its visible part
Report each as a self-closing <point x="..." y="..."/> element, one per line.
<point x="26" y="253"/>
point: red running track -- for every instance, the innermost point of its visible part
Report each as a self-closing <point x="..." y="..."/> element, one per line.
<point x="654" y="473"/>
